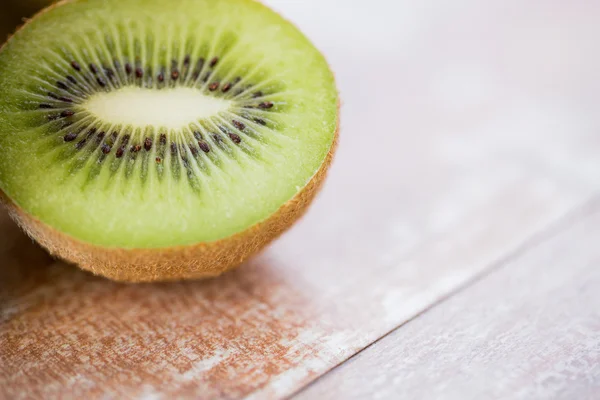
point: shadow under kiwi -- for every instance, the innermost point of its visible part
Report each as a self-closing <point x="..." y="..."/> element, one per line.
<point x="23" y="263"/>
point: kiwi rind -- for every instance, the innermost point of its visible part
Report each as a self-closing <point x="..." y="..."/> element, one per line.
<point x="177" y="262"/>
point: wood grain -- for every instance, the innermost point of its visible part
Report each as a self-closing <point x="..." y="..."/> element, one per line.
<point x="530" y="330"/>
<point x="474" y="132"/>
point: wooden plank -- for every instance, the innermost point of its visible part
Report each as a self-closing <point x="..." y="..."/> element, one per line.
<point x="530" y="330"/>
<point x="440" y="173"/>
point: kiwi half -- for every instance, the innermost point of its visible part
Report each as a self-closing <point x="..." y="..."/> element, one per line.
<point x="147" y="140"/>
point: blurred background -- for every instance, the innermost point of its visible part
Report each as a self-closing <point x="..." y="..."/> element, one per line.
<point x="15" y="11"/>
<point x="459" y="223"/>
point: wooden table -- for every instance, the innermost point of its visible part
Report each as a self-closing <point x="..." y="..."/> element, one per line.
<point x="453" y="254"/>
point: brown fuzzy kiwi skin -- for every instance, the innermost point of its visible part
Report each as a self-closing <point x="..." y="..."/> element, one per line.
<point x="199" y="261"/>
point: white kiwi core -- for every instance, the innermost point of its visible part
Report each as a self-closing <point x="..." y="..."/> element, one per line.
<point x="167" y="108"/>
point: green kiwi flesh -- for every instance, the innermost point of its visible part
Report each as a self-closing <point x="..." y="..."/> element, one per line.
<point x="145" y="124"/>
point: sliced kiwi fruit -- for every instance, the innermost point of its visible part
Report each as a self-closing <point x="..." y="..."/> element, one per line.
<point x="147" y="140"/>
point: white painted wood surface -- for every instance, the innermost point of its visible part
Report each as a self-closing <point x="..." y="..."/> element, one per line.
<point x="468" y="128"/>
<point x="529" y="330"/>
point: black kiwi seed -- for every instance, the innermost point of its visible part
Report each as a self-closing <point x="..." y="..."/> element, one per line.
<point x="173" y="149"/>
<point x="75" y="65"/>
<point x="193" y="149"/>
<point x="260" y="121"/>
<point x="71" y="79"/>
<point x="235" y="138"/>
<point x="67" y="113"/>
<point x="80" y="145"/>
<point x="100" y="137"/>
<point x="148" y="144"/>
<point x="70" y="137"/>
<point x="187" y="60"/>
<point x="265" y="105"/>
<point x="120" y="151"/>
<point x="257" y="94"/>
<point x="204" y="146"/>
<point x="161" y="76"/>
<point x="53" y="96"/>
<point x="101" y="81"/>
<point x="174" y="74"/>
<point x="163" y="139"/>
<point x="128" y="69"/>
<point x="214" y="61"/>
<point x="139" y="72"/>
<point x="136" y="148"/>
<point x="66" y="99"/>
<point x="226" y="87"/>
<point x="239" y="125"/>
<point x="213" y="86"/>
<point x="93" y="68"/>
<point x="45" y="106"/>
<point x="158" y="160"/>
<point x="197" y="135"/>
<point x="106" y="148"/>
<point x="62" y="85"/>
